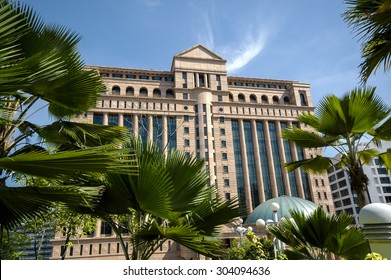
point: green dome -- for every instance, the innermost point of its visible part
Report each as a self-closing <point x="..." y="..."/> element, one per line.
<point x="287" y="203"/>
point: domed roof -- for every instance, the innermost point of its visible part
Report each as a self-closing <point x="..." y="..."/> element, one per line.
<point x="287" y="203"/>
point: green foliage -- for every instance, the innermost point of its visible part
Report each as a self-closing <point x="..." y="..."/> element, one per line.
<point x="251" y="248"/>
<point x="374" y="257"/>
<point x="321" y="236"/>
<point x="371" y="21"/>
<point x="169" y="199"/>
<point x="344" y="124"/>
<point x="40" y="63"/>
<point x="12" y="245"/>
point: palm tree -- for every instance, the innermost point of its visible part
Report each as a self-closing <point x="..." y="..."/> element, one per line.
<point x="358" y="117"/>
<point x="321" y="236"/>
<point x="40" y="63"/>
<point x="168" y="199"/>
<point x="371" y="21"/>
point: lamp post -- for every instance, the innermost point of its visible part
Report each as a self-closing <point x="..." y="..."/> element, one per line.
<point x="260" y="223"/>
<point x="241" y="230"/>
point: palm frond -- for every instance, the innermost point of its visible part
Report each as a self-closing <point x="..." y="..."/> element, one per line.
<point x="317" y="164"/>
<point x="84" y="135"/>
<point x="308" y="139"/>
<point x="18" y="204"/>
<point x="44" y="164"/>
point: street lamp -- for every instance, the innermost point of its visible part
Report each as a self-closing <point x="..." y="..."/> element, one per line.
<point x="241" y="230"/>
<point x="260" y="223"/>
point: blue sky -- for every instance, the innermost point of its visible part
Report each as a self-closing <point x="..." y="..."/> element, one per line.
<point x="303" y="40"/>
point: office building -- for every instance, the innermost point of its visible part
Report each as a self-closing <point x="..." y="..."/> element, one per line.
<point x="235" y="123"/>
<point x="378" y="190"/>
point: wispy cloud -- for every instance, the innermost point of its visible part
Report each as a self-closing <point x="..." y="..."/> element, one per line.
<point x="244" y="52"/>
<point x="206" y="36"/>
<point x="152" y="3"/>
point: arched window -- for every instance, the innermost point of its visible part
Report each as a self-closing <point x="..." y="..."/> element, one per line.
<point x="286" y="100"/>
<point x="241" y="98"/>
<point x="157" y="93"/>
<point x="253" y="98"/>
<point x="130" y="91"/>
<point x="303" y="100"/>
<point x="143" y="91"/>
<point x="115" y="90"/>
<point x="264" y="99"/>
<point x="231" y="97"/>
<point x="275" y="100"/>
<point x="169" y="93"/>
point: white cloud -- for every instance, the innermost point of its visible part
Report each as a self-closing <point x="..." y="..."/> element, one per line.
<point x="206" y="37"/>
<point x="247" y="50"/>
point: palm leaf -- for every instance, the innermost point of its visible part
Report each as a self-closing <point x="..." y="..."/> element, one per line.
<point x="18" y="204"/>
<point x="84" y="135"/>
<point x="44" y="164"/>
<point x="317" y="164"/>
<point x="307" y="139"/>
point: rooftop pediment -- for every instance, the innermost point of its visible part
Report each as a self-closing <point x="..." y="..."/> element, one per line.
<point x="199" y="52"/>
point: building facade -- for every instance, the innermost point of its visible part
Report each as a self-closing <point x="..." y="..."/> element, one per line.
<point x="378" y="190"/>
<point x="235" y="123"/>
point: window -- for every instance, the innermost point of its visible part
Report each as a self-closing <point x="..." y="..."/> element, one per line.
<point x="223" y="144"/>
<point x="340" y="174"/>
<point x="286" y="100"/>
<point x="227" y="196"/>
<point x="105" y="228"/>
<point x="261" y="85"/>
<point x="219" y="98"/>
<point x="186" y="118"/>
<point x="115" y="90"/>
<point x="250" y="84"/>
<point x="169" y="79"/>
<point x="130" y="76"/>
<point x="275" y="100"/>
<point x="241" y="98"/>
<point x="184" y="85"/>
<point x="157" y="93"/>
<point x="231" y="97"/>
<point x="218" y="87"/>
<point x="104" y="74"/>
<point x="187" y="142"/>
<point x="184" y="75"/>
<point x="185" y="96"/>
<point x="238" y="84"/>
<point x="221" y="119"/>
<point x="225" y="169"/>
<point x="222" y="131"/>
<point x="224" y="156"/>
<point x="186" y="130"/>
<point x="226" y="182"/>
<point x="117" y="75"/>
<point x="271" y="86"/>
<point x="385" y="180"/>
<point x="218" y="78"/>
<point x="303" y="99"/>
<point x="253" y="98"/>
<point x="143" y="91"/>
<point x="264" y="99"/>
<point x="282" y="87"/>
<point x="130" y="91"/>
<point x="382" y="170"/>
<point x="206" y="143"/>
<point x="143" y="77"/>
<point x="169" y="93"/>
<point x="204" y="108"/>
<point x="97" y="118"/>
<point x="156" y="78"/>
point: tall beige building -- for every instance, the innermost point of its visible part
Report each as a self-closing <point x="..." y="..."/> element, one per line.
<point x="235" y="123"/>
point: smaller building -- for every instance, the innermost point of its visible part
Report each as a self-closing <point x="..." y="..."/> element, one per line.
<point x="379" y="187"/>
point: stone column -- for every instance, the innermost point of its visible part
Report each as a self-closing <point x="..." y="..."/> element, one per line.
<point x="280" y="144"/>
<point x="269" y="152"/>
<point x="247" y="190"/>
<point x="258" y="167"/>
